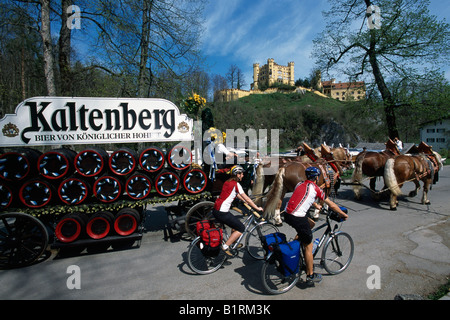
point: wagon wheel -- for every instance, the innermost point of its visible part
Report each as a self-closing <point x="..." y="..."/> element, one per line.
<point x="23" y="239"/>
<point x="197" y="213"/>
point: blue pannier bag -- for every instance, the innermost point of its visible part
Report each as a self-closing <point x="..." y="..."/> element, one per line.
<point x="290" y="257"/>
<point x="273" y="238"/>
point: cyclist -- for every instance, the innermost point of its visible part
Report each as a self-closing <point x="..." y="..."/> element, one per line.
<point x="303" y="197"/>
<point x="230" y="190"/>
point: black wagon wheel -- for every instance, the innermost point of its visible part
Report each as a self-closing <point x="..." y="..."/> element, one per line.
<point x="200" y="211"/>
<point x="23" y="239"/>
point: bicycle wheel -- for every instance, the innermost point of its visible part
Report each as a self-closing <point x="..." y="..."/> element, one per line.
<point x="253" y="241"/>
<point x="274" y="282"/>
<point x="203" y="264"/>
<point x="200" y="211"/>
<point x="337" y="253"/>
<point x="23" y="240"/>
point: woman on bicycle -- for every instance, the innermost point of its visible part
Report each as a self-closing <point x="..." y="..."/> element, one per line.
<point x="230" y="190"/>
<point x="302" y="199"/>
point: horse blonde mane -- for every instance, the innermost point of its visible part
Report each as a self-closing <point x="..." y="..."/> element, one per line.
<point x="390" y="179"/>
<point x="274" y="195"/>
<point x="258" y="185"/>
<point x="439" y="160"/>
<point x="357" y="174"/>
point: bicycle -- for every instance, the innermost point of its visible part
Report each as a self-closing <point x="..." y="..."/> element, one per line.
<point x="337" y="253"/>
<point x="255" y="228"/>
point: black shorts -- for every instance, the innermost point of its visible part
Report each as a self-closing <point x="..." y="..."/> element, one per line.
<point x="229" y="219"/>
<point x="301" y="225"/>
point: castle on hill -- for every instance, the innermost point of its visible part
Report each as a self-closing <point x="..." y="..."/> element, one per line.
<point x="267" y="79"/>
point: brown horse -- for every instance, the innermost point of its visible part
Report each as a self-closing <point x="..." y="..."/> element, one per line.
<point x="371" y="164"/>
<point x="285" y="181"/>
<point x="413" y="168"/>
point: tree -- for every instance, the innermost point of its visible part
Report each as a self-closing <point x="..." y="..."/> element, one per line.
<point x="408" y="38"/>
<point x="46" y="35"/>
<point x="232" y="75"/>
<point x="219" y="82"/>
<point x="235" y="77"/>
<point x="240" y="80"/>
<point x="145" y="37"/>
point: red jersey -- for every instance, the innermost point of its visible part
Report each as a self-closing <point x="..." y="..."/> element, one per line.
<point x="229" y="192"/>
<point x="304" y="195"/>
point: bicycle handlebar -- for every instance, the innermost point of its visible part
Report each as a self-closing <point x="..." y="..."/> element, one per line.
<point x="252" y="210"/>
<point x="333" y="215"/>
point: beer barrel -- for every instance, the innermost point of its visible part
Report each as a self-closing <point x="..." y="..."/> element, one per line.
<point x="126" y="221"/>
<point x="73" y="190"/>
<point x="179" y="158"/>
<point x="6" y="196"/>
<point x="152" y="159"/>
<point x="71" y="227"/>
<point x="107" y="188"/>
<point x="100" y="224"/>
<point x="56" y="164"/>
<point x="167" y="183"/>
<point x="123" y="161"/>
<point x="36" y="193"/>
<point x="138" y="186"/>
<point x="194" y="180"/>
<point x="18" y="164"/>
<point x="91" y="162"/>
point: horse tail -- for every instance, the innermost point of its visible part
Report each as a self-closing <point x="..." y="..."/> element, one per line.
<point x="274" y="195"/>
<point x="358" y="174"/>
<point x="390" y="179"/>
<point x="258" y="185"/>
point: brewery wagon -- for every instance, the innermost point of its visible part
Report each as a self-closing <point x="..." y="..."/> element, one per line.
<point x="78" y="172"/>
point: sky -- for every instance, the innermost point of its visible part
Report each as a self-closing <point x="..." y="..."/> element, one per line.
<point x="243" y="32"/>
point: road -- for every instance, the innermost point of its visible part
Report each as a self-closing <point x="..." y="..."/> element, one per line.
<point x="404" y="252"/>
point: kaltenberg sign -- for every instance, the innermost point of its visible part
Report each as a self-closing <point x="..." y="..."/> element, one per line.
<point x="64" y="120"/>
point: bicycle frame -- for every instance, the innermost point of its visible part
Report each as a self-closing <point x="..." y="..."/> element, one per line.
<point x="328" y="233"/>
<point x="249" y="222"/>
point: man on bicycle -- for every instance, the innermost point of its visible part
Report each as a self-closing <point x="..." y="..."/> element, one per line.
<point x="230" y="190"/>
<point x="303" y="197"/>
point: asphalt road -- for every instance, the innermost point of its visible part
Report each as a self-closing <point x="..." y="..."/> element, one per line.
<point x="405" y="251"/>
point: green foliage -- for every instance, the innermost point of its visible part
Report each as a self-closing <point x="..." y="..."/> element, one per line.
<point x="300" y="117"/>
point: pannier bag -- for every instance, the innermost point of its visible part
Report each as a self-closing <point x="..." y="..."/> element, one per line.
<point x="288" y="254"/>
<point x="272" y="238"/>
<point x="211" y="237"/>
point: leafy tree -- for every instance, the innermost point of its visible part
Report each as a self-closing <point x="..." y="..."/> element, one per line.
<point x="408" y="38"/>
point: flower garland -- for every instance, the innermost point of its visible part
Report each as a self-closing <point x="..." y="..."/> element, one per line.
<point x="95" y="207"/>
<point x="194" y="103"/>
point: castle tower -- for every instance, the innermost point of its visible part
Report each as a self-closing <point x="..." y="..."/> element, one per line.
<point x="255" y="76"/>
<point x="270" y="70"/>
<point x="291" y="73"/>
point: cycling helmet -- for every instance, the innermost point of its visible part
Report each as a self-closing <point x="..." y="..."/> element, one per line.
<point x="312" y="172"/>
<point x="236" y="169"/>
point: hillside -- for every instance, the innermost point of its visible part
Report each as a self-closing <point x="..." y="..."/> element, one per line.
<point x="303" y="117"/>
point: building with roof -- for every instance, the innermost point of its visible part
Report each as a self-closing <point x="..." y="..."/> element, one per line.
<point x="272" y="73"/>
<point x="436" y="133"/>
<point x="344" y="91"/>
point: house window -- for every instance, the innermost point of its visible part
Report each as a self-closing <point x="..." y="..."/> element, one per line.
<point x="431" y="130"/>
<point x="442" y="130"/>
<point x="442" y="140"/>
<point x="430" y="139"/>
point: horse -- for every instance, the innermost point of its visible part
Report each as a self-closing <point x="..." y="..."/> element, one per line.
<point x="287" y="178"/>
<point x="371" y="164"/>
<point x="342" y="156"/>
<point x="413" y="168"/>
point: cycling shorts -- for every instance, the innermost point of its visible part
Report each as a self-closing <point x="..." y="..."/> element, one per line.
<point x="301" y="225"/>
<point x="229" y="219"/>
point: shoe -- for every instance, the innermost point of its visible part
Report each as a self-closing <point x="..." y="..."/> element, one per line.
<point x="314" y="278"/>
<point x="228" y="252"/>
